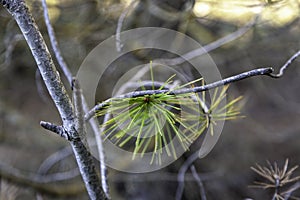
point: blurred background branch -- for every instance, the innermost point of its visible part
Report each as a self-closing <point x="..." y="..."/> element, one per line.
<point x="270" y="130"/>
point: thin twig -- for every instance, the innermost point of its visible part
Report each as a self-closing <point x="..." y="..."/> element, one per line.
<point x="197" y="52"/>
<point x="181" y="174"/>
<point x="275" y="195"/>
<point x="255" y="72"/>
<point x="238" y="77"/>
<point x="60" y="130"/>
<point x="95" y="126"/>
<point x="121" y="19"/>
<point x="43" y="183"/>
<point x="286" y="65"/>
<point x="69" y="76"/>
<point x="8" y="171"/>
<point x="293" y="188"/>
<point x="53" y="159"/>
<point x="211" y="46"/>
<point x="199" y="182"/>
<point x="54" y="44"/>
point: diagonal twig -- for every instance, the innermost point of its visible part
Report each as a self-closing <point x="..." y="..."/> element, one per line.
<point x="54" y="43"/>
<point x="238" y="77"/>
<point x="286" y="65"/>
<point x="197" y="52"/>
<point x="255" y="72"/>
<point x="69" y="76"/>
<point x="211" y="46"/>
<point x="181" y="174"/>
<point x="120" y="24"/>
<point x="43" y="183"/>
<point x="199" y="182"/>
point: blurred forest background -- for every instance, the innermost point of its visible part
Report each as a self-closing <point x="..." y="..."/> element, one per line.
<point x="269" y="131"/>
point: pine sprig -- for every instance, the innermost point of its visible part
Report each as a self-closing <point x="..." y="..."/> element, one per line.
<point x="150" y="123"/>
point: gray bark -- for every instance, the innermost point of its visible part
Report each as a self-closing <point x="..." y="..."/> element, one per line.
<point x="57" y="91"/>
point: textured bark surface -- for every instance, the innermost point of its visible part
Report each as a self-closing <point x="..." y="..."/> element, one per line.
<point x="58" y="93"/>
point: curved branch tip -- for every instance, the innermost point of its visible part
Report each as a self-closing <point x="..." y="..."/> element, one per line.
<point x="286" y="65"/>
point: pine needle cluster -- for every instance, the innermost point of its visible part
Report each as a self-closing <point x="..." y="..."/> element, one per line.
<point x="165" y="123"/>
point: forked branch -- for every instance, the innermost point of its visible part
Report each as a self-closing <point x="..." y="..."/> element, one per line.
<point x="57" y="91"/>
<point x="68" y="74"/>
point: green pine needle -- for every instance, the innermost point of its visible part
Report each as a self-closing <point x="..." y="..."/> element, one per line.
<point x="149" y="123"/>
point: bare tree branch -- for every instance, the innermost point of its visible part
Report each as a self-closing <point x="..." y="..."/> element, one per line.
<point x="43" y="183"/>
<point x="261" y="71"/>
<point x="71" y="128"/>
<point x="286" y="65"/>
<point x="36" y="43"/>
<point x="211" y="46"/>
<point x="197" y="52"/>
<point x="95" y="126"/>
<point x="255" y="72"/>
<point x="238" y="77"/>
<point x="54" y="44"/>
<point x="69" y="76"/>
<point x="182" y="172"/>
<point x="60" y="130"/>
<point x="120" y="23"/>
<point x="42" y="57"/>
<point x="199" y="182"/>
<point x="53" y="159"/>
